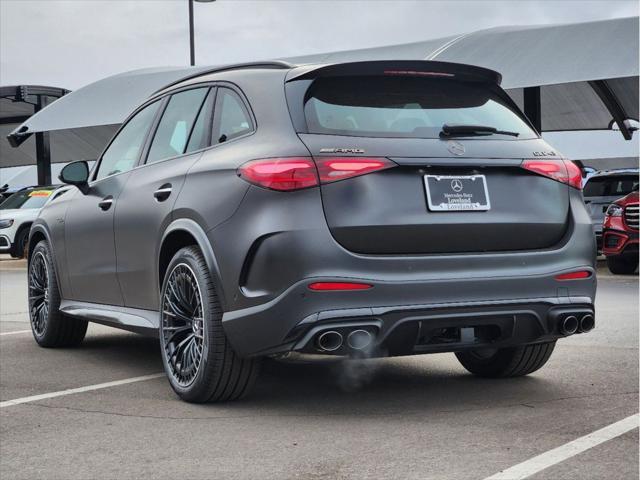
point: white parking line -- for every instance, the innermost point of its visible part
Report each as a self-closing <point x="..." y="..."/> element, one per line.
<point x="566" y="451"/>
<point x="15" y="333"/>
<point x="35" y="398"/>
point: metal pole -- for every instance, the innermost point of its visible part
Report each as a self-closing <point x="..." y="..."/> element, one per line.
<point x="192" y="47"/>
<point x="43" y="151"/>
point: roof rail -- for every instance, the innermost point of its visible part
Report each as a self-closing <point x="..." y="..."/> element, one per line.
<point x="274" y="64"/>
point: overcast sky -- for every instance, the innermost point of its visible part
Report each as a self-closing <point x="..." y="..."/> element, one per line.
<point x="69" y="43"/>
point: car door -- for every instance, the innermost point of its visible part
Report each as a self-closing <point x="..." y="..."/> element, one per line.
<point x="89" y="240"/>
<point x="145" y="206"/>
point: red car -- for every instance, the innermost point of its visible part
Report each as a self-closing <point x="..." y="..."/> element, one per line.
<point x="620" y="234"/>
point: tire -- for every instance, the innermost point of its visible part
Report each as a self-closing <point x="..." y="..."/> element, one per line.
<point x="622" y="265"/>
<point x="199" y="361"/>
<point x="50" y="327"/>
<point x="20" y="244"/>
<point x="506" y="362"/>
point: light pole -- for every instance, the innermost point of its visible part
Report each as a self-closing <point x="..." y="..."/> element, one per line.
<point x="192" y="46"/>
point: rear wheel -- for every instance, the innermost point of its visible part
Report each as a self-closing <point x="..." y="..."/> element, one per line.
<point x="198" y="359"/>
<point x="50" y="327"/>
<point x="622" y="265"/>
<point x="506" y="362"/>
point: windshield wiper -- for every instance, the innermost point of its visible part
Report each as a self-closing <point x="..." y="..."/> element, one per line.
<point x="476" y="130"/>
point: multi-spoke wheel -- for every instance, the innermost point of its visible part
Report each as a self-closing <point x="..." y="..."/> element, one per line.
<point x="182" y="327"/>
<point x="50" y="327"/>
<point x="38" y="292"/>
<point x="199" y="362"/>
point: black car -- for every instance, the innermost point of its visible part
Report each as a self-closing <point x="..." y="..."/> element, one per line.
<point x="360" y="209"/>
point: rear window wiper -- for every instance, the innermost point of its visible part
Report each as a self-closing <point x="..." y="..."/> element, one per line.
<point x="477" y="130"/>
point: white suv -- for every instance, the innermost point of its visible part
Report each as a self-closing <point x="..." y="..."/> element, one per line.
<point x="17" y="213"/>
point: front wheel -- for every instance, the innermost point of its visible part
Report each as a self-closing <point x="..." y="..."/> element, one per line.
<point x="50" y="327"/>
<point x="622" y="265"/>
<point x="198" y="359"/>
<point x="506" y="362"/>
<point x="20" y="244"/>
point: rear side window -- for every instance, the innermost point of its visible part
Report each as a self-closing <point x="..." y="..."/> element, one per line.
<point x="124" y="151"/>
<point x="175" y="126"/>
<point x="618" y="185"/>
<point x="231" y="118"/>
<point x="377" y="106"/>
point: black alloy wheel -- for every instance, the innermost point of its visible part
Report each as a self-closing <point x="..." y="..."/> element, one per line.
<point x="39" y="293"/>
<point x="199" y="361"/>
<point x="50" y="327"/>
<point x="183" y="327"/>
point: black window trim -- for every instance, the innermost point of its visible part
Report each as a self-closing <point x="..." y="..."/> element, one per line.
<point x="144" y="158"/>
<point x="151" y="131"/>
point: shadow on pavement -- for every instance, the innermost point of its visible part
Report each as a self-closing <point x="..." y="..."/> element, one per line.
<point x="408" y="385"/>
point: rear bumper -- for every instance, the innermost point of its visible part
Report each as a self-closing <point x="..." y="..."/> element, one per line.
<point x="269" y="252"/>
<point x="397" y="313"/>
<point x="417" y="329"/>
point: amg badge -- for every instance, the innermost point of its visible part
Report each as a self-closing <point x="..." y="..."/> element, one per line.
<point x="341" y="150"/>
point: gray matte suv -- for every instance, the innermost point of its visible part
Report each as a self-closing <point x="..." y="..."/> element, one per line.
<point x="359" y="209"/>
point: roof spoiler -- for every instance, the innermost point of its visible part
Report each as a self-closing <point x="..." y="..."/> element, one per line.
<point x="419" y="68"/>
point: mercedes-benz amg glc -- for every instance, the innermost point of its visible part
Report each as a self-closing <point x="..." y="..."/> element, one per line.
<point x="373" y="208"/>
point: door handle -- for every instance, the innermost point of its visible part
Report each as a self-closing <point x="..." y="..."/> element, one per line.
<point x="163" y="192"/>
<point x="106" y="202"/>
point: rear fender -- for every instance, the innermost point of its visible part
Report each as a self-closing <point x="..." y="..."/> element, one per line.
<point x="198" y="233"/>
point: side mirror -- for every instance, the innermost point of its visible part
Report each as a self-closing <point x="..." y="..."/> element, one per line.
<point x="76" y="173"/>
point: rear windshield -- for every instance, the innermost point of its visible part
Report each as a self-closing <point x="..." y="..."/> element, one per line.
<point x="374" y="106"/>
<point x="26" y="199"/>
<point x="610" y="186"/>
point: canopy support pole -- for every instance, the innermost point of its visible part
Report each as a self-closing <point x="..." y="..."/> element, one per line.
<point x="43" y="150"/>
<point x="613" y="105"/>
<point x="533" y="106"/>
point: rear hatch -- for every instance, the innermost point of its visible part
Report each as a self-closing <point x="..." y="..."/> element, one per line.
<point x="465" y="192"/>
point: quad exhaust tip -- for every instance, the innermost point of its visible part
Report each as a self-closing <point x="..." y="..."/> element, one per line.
<point x="330" y="341"/>
<point x="587" y="323"/>
<point x="569" y="325"/>
<point x="359" y="339"/>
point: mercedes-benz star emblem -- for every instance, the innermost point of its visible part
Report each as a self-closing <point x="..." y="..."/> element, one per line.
<point x="456" y="185"/>
<point x="455" y="147"/>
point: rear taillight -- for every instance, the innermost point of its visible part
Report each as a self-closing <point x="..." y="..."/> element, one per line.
<point x="332" y="169"/>
<point x="283" y="174"/>
<point x="564" y="171"/>
<point x="295" y="173"/>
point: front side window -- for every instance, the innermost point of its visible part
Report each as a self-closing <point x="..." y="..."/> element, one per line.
<point x="174" y="128"/>
<point x="404" y="107"/>
<point x="124" y="151"/>
<point x="231" y="118"/>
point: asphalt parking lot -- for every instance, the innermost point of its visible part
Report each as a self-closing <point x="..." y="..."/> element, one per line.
<point x="409" y="418"/>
